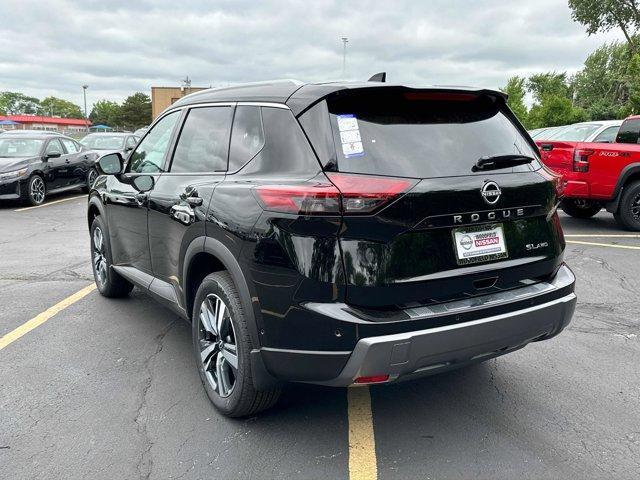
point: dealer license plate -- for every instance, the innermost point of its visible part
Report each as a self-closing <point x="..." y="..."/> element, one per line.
<point x="479" y="244"/>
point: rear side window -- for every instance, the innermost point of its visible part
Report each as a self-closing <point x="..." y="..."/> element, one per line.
<point x="574" y="133"/>
<point x="204" y="141"/>
<point x="608" y="135"/>
<point x="421" y="134"/>
<point x="247" y="136"/>
<point x="629" y="132"/>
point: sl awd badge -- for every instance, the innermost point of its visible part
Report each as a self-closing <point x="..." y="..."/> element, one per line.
<point x="491" y="192"/>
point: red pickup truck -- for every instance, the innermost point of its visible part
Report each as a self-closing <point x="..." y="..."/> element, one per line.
<point x="597" y="175"/>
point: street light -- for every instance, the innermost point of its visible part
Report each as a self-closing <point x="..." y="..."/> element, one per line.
<point x="84" y="92"/>
<point x="345" y="40"/>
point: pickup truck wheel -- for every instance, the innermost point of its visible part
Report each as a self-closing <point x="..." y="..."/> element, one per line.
<point x="222" y="346"/>
<point x="579" y="208"/>
<point x="628" y="214"/>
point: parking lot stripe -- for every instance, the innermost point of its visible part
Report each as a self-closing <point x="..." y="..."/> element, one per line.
<point x="629" y="247"/>
<point x="603" y="235"/>
<point x="38" y="320"/>
<point x="23" y="209"/>
<point x="362" y="445"/>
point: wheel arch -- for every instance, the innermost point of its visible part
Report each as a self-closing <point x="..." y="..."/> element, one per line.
<point x="630" y="173"/>
<point x="94" y="209"/>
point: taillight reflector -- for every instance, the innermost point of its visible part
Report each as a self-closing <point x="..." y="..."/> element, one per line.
<point x="371" y="379"/>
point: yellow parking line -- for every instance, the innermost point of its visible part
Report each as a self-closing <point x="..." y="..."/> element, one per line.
<point x="38" y="320"/>
<point x="629" y="247"/>
<point x="49" y="203"/>
<point x="606" y="235"/>
<point x="362" y="445"/>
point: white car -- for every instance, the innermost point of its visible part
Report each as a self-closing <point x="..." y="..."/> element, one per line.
<point x="604" y="131"/>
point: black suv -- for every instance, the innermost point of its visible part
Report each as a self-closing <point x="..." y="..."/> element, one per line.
<point x="335" y="234"/>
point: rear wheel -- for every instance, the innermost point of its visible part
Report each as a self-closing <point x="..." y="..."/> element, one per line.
<point x="222" y="345"/>
<point x="109" y="283"/>
<point x="34" y="192"/>
<point x="91" y="177"/>
<point x="628" y="214"/>
<point x="579" y="208"/>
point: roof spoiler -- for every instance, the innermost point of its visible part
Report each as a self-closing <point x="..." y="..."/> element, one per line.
<point x="378" y="77"/>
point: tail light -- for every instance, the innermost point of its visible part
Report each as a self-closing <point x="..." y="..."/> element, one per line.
<point x="554" y="178"/>
<point x="581" y="160"/>
<point x="347" y="194"/>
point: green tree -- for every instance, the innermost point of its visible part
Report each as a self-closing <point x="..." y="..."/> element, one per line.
<point x="105" y="112"/>
<point x="15" y="103"/>
<point x="603" y="15"/>
<point x="61" y="108"/>
<point x="555" y="110"/>
<point x="555" y="84"/>
<point x="516" y="90"/>
<point x="135" y="111"/>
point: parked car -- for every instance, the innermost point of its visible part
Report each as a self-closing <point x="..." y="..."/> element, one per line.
<point x="35" y="165"/>
<point x="604" y="131"/>
<point x="141" y="131"/>
<point x="110" y="141"/>
<point x="597" y="175"/>
<point x="543" y="133"/>
<point x="31" y="132"/>
<point x="338" y="234"/>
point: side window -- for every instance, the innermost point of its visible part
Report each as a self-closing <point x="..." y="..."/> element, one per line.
<point x="608" y="135"/>
<point x="149" y="156"/>
<point x="54" y="147"/>
<point x="70" y="145"/>
<point x="629" y="131"/>
<point x="131" y="142"/>
<point x="247" y="136"/>
<point x="204" y="141"/>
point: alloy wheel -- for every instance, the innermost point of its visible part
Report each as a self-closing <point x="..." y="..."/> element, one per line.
<point x="92" y="177"/>
<point x="635" y="207"/>
<point x="99" y="258"/>
<point x="217" y="342"/>
<point x="37" y="190"/>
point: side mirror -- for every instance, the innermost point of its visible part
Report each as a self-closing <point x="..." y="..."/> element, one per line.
<point x="52" y="155"/>
<point x="111" y="164"/>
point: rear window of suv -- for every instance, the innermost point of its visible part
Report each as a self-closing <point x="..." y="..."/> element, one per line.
<point x="421" y="134"/>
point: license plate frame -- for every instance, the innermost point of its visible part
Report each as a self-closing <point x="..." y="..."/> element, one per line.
<point x="479" y="243"/>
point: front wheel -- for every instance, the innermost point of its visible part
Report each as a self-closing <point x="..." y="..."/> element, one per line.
<point x="222" y="346"/>
<point x="109" y="283"/>
<point x="34" y="191"/>
<point x="579" y="208"/>
<point x="628" y="214"/>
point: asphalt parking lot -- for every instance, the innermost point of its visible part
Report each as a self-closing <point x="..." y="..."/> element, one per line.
<point x="108" y="389"/>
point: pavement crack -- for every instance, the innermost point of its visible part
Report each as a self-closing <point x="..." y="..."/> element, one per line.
<point x="145" y="461"/>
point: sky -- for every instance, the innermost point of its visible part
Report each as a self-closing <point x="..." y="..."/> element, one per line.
<point x="118" y="47"/>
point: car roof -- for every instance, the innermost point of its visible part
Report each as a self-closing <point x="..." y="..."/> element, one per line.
<point x="42" y="133"/>
<point x="298" y="95"/>
<point x="109" y="134"/>
<point x="34" y="136"/>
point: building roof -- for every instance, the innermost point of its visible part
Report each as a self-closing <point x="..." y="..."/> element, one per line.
<point x="300" y="96"/>
<point x="43" y="119"/>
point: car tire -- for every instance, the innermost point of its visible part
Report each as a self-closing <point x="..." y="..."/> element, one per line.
<point x="109" y="283"/>
<point x="34" y="191"/>
<point x="579" y="208"/>
<point x="91" y="178"/>
<point x="628" y="214"/>
<point x="220" y="339"/>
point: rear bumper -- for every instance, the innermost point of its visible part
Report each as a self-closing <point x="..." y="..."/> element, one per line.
<point x="576" y="188"/>
<point x="432" y="350"/>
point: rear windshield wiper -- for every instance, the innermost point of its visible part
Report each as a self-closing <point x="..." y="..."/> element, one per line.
<point x="501" y="161"/>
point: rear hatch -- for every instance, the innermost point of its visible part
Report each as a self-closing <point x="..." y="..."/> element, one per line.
<point x="420" y="226"/>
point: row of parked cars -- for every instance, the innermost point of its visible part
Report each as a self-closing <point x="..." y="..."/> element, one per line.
<point x="34" y="163"/>
<point x="600" y="167"/>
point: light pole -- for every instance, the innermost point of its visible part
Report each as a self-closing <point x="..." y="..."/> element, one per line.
<point x="345" y="40"/>
<point x="84" y="92"/>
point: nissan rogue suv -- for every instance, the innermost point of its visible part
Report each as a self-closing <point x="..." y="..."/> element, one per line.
<point x="337" y="234"/>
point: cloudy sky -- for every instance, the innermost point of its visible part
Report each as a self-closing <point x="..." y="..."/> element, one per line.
<point x="118" y="47"/>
